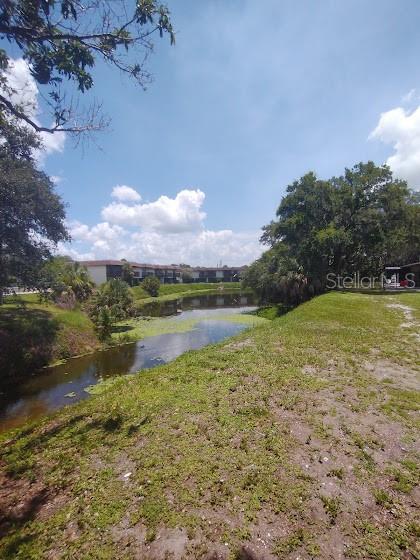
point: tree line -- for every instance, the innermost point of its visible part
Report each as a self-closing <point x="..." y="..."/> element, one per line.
<point x="359" y="222"/>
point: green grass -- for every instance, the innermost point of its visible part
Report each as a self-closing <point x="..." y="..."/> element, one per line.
<point x="168" y="292"/>
<point x="75" y="318"/>
<point x="229" y="444"/>
<point x="44" y="332"/>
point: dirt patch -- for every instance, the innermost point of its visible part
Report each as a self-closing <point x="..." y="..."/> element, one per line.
<point x="163" y="543"/>
<point x="248" y="342"/>
<point x="409" y="322"/>
<point x="22" y="500"/>
<point x="389" y="372"/>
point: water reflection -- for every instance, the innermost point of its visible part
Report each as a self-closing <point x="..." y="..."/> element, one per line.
<point x="167" y="308"/>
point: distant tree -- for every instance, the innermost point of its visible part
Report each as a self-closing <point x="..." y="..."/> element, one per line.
<point x="31" y="213"/>
<point x="64" y="39"/>
<point x="115" y="295"/>
<point x="276" y="278"/>
<point x="186" y="277"/>
<point x="103" y="324"/>
<point x="61" y="278"/>
<point x="127" y="273"/>
<point x="151" y="285"/>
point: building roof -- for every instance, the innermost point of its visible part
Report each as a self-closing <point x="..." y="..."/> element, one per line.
<point x="161" y="266"/>
<point x="217" y="268"/>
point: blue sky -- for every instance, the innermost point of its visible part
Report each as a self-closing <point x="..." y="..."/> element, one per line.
<point x="253" y="95"/>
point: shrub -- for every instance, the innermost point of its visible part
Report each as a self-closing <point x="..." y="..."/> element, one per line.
<point x="103" y="324"/>
<point x="112" y="302"/>
<point x="151" y="285"/>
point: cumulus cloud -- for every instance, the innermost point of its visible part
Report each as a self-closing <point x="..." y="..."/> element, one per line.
<point x="401" y="128"/>
<point x="169" y="230"/>
<point x="203" y="248"/>
<point x="21" y="89"/>
<point x="169" y="215"/>
<point x="125" y="193"/>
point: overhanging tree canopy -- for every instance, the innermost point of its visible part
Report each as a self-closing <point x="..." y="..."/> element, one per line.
<point x="63" y="39"/>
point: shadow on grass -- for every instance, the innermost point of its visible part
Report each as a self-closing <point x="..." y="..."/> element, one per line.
<point x="27" y="337"/>
<point x="122" y="328"/>
<point x="16" y="517"/>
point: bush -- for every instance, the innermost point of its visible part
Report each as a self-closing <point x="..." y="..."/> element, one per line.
<point x="65" y="282"/>
<point x="151" y="285"/>
<point x="276" y="278"/>
<point x="113" y="302"/>
<point x="103" y="324"/>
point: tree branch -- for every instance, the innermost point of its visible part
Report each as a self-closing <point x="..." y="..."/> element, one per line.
<point x="71" y="129"/>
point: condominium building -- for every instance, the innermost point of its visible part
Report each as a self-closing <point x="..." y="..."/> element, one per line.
<point x="209" y="274"/>
<point x="102" y="271"/>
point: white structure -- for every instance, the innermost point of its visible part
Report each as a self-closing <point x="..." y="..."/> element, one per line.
<point x="102" y="271"/>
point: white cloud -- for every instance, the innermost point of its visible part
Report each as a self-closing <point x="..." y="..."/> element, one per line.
<point x="125" y="193"/>
<point x="24" y="91"/>
<point x="410" y="96"/>
<point x="401" y="128"/>
<point x="169" y="230"/>
<point x="170" y="215"/>
<point x="52" y="142"/>
<point x="204" y="248"/>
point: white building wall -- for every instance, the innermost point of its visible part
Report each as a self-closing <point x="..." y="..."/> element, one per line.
<point x="97" y="273"/>
<point x="219" y="274"/>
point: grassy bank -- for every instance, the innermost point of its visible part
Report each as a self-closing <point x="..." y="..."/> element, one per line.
<point x="296" y="438"/>
<point x="169" y="292"/>
<point x="44" y="333"/>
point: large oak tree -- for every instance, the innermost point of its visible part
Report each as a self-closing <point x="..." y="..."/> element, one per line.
<point x="356" y="223"/>
<point x="31" y="213"/>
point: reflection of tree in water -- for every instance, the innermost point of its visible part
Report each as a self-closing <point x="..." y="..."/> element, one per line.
<point x="160" y="309"/>
<point x="208" y="301"/>
<point x="115" y="361"/>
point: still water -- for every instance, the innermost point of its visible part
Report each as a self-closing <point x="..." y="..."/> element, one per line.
<point x="64" y="384"/>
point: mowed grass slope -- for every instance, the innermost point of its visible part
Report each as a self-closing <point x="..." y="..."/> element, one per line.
<point x="297" y="438"/>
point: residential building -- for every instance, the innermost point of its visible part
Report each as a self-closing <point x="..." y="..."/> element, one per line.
<point x="209" y="274"/>
<point x="102" y="271"/>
